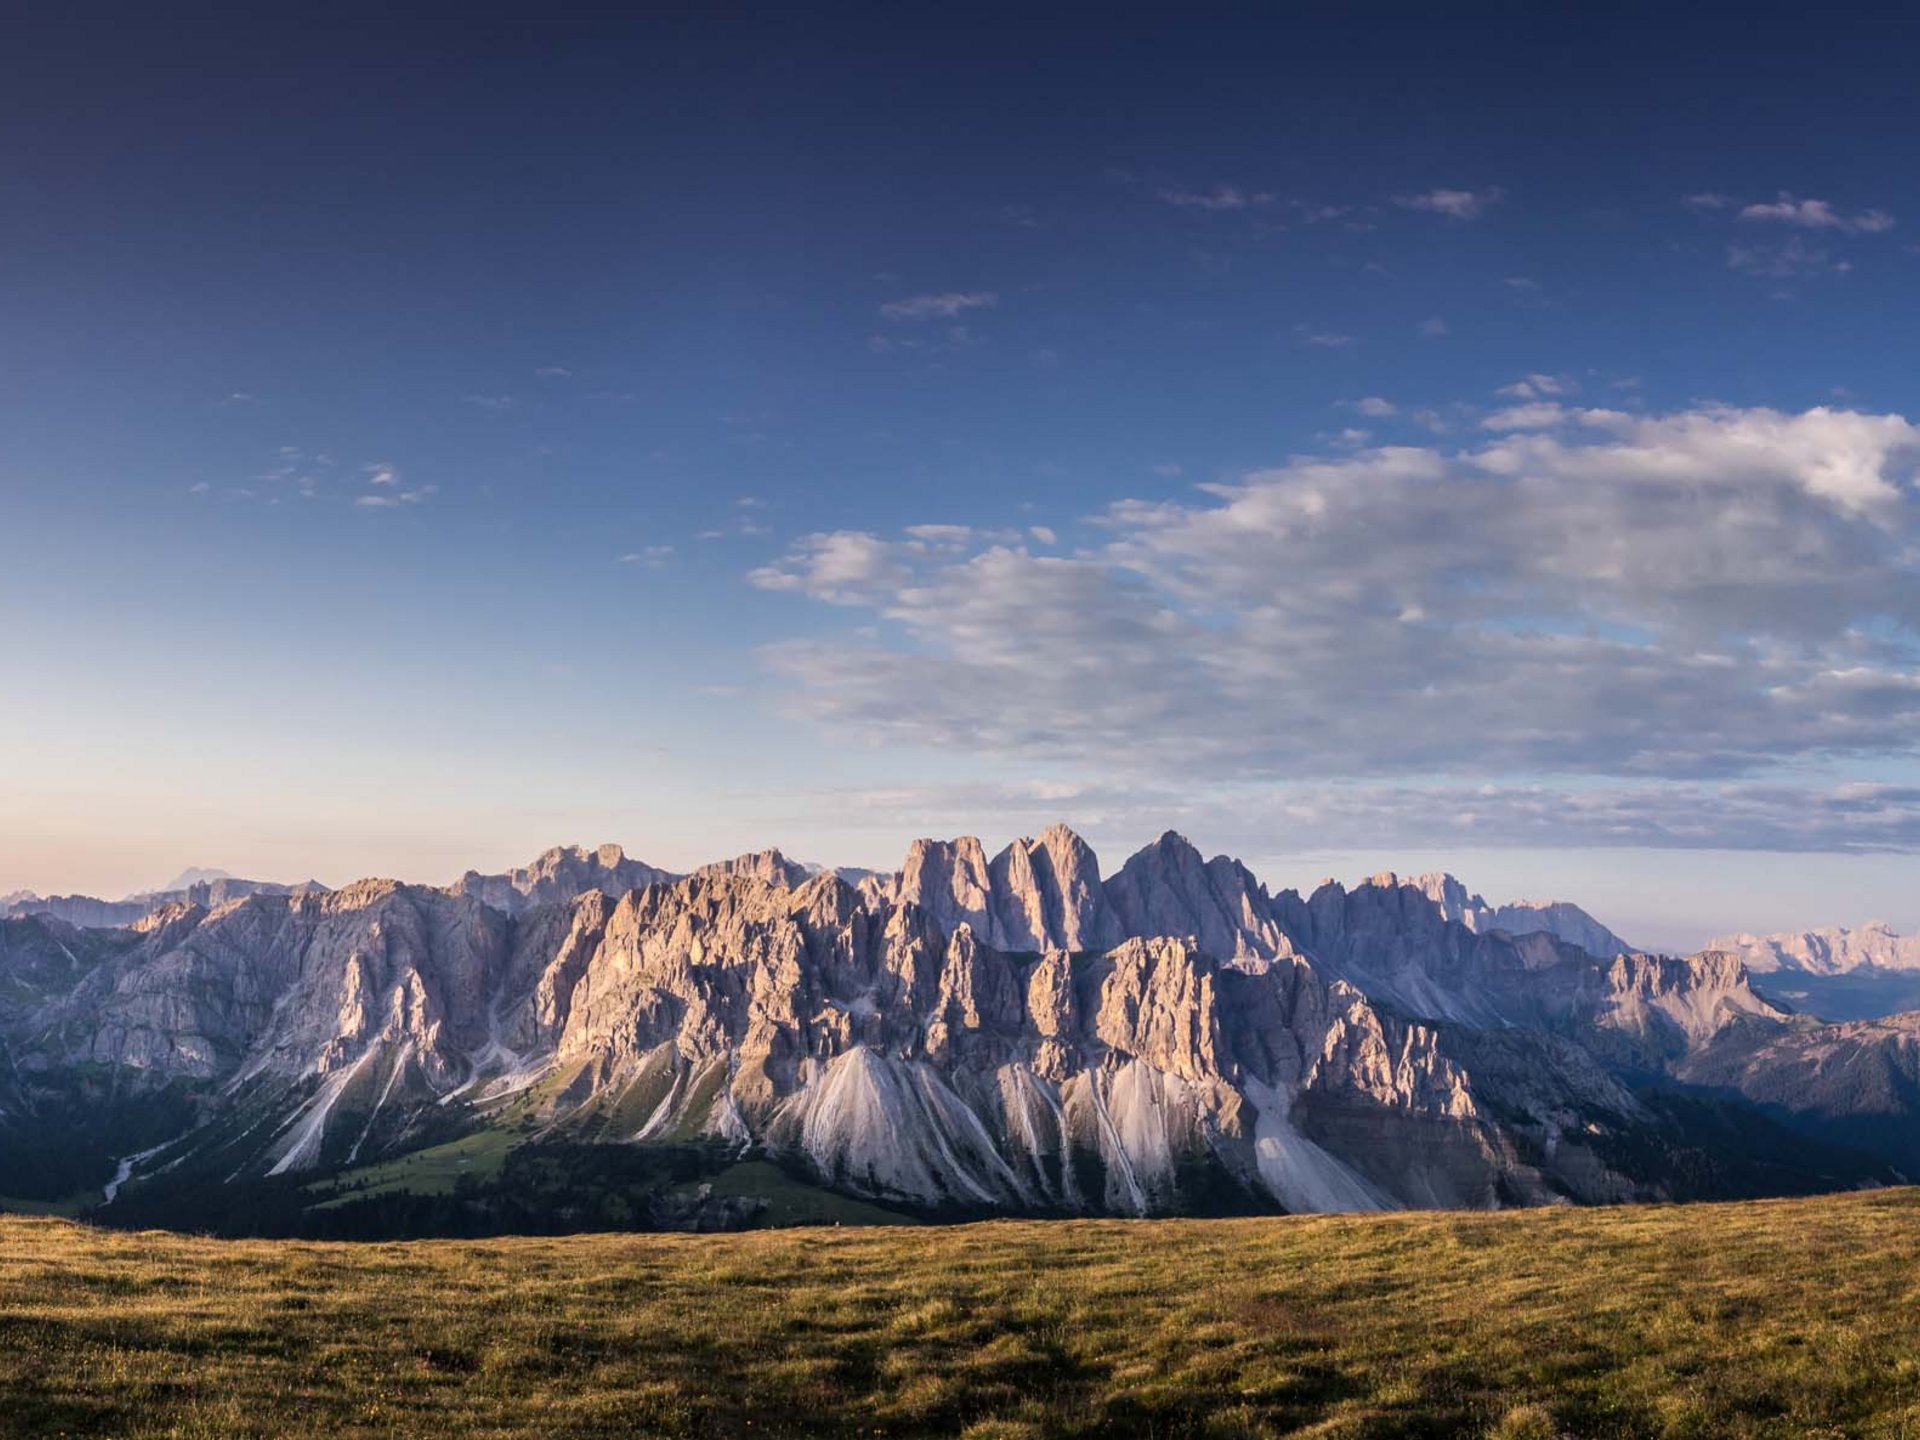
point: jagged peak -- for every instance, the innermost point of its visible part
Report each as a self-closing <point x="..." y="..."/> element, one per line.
<point x="1169" y="845"/>
<point x="354" y="893"/>
<point x="968" y="845"/>
<point x="607" y="855"/>
<point x="1061" y="837"/>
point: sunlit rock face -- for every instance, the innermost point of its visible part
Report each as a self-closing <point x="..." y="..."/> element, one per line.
<point x="560" y="874"/>
<point x="1010" y="1032"/>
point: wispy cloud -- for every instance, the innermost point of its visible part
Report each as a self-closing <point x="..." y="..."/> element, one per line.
<point x="1788" y="209"/>
<point x="394" y="499"/>
<point x="651" y="557"/>
<point x="1297" y="817"/>
<point x="1793" y="258"/>
<point x="1454" y="204"/>
<point x="1220" y="197"/>
<point x="489" y="402"/>
<point x="1535" y="386"/>
<point x="943" y="306"/>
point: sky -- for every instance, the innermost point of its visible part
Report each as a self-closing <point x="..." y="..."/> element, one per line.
<point x="1360" y="437"/>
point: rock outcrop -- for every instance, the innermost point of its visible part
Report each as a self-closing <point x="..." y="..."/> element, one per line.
<point x="560" y="874"/>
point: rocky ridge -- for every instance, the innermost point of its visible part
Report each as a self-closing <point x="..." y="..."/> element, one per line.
<point x="972" y="1032"/>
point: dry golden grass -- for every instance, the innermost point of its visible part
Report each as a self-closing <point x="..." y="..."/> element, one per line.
<point x="1777" y="1318"/>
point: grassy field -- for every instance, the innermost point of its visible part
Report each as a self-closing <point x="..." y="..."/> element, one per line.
<point x="1773" y="1318"/>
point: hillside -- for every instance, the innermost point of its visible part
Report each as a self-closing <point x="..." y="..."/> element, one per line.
<point x="1766" y="1318"/>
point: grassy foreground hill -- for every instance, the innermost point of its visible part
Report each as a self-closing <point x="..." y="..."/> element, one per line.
<point x="1797" y="1317"/>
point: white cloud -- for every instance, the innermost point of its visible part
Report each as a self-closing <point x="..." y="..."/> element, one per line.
<point x="393" y="499"/>
<point x="1376" y="407"/>
<point x="554" y="372"/>
<point x="1432" y="328"/>
<point x="1532" y="387"/>
<point x="939" y="307"/>
<point x="1538" y="415"/>
<point x="382" y="474"/>
<point x="489" y="402"/>
<point x="652" y="557"/>
<point x="1326" y="339"/>
<point x="1043" y="534"/>
<point x="1690" y="596"/>
<point x="1454" y="204"/>
<point x="1817" y="215"/>
<point x="1780" y="262"/>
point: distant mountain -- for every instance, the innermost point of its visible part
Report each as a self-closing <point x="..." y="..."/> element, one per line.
<point x="1835" y="951"/>
<point x="1862" y="973"/>
<point x="193" y="875"/>
<point x="86" y="910"/>
<point x="1557" y="918"/>
<point x="972" y="1034"/>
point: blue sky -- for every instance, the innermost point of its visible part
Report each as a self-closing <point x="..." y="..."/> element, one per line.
<point x="1361" y="437"/>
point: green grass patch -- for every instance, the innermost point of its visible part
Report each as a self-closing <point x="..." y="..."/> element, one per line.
<point x="434" y="1171"/>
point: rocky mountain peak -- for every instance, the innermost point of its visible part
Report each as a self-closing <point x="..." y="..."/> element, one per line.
<point x="767" y="865"/>
<point x="1040" y="893"/>
<point x="1167" y="889"/>
<point x="558" y="875"/>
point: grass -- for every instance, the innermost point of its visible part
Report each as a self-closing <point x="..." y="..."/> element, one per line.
<point x="432" y="1171"/>
<point x="1793" y="1317"/>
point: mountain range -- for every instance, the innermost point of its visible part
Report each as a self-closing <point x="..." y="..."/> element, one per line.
<point x="590" y="1040"/>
